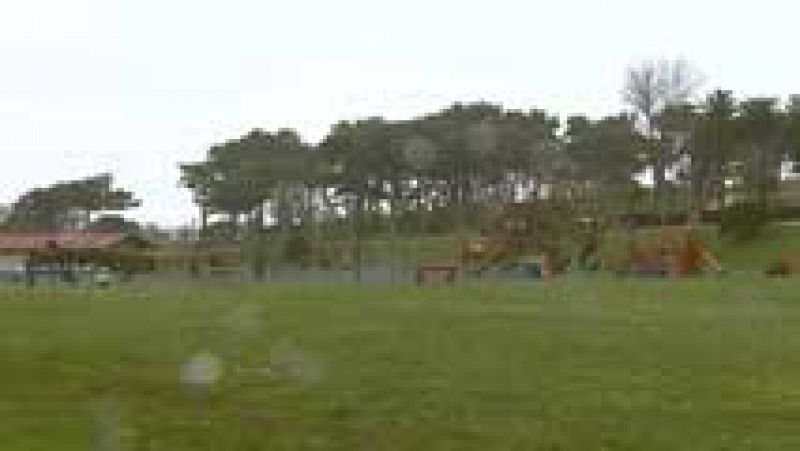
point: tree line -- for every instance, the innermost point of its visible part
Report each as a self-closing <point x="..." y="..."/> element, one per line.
<point x="444" y="168"/>
<point x="73" y="205"/>
<point x="442" y="171"/>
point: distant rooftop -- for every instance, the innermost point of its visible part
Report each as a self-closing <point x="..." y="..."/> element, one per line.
<point x="18" y="242"/>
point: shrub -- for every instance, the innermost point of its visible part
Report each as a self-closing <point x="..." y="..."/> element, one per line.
<point x="297" y="249"/>
<point x="743" y="221"/>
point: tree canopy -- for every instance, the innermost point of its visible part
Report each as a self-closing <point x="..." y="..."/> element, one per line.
<point x="69" y="204"/>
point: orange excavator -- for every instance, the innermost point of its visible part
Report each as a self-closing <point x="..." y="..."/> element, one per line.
<point x="675" y="252"/>
<point x="480" y="254"/>
<point x="536" y="239"/>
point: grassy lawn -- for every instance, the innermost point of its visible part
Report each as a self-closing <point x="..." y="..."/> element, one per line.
<point x="577" y="363"/>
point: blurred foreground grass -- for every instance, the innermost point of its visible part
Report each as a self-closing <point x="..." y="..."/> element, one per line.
<point x="576" y="363"/>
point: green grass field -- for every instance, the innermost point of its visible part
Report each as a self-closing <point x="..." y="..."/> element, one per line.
<point x="577" y="363"/>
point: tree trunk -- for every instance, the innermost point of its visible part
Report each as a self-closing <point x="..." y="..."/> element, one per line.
<point x="393" y="248"/>
<point x="696" y="198"/>
<point x="659" y="186"/>
<point x="203" y="221"/>
<point x="259" y="257"/>
<point x="356" y="221"/>
<point x="233" y="220"/>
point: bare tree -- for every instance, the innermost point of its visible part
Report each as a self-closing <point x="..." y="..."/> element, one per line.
<point x="649" y="89"/>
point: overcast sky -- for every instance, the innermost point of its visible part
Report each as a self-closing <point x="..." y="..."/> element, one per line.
<point x="135" y="87"/>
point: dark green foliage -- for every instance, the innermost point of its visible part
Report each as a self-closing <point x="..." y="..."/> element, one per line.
<point x="439" y="172"/>
<point x="743" y="221"/>
<point x="297" y="249"/>
<point x="68" y="204"/>
<point x="240" y="176"/>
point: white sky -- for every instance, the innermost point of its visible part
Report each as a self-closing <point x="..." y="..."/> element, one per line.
<point x="135" y="87"/>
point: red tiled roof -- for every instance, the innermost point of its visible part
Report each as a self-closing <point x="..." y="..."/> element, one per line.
<point x="62" y="240"/>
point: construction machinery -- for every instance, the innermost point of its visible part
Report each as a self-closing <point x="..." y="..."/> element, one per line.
<point x="675" y="252"/>
<point x="531" y="240"/>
